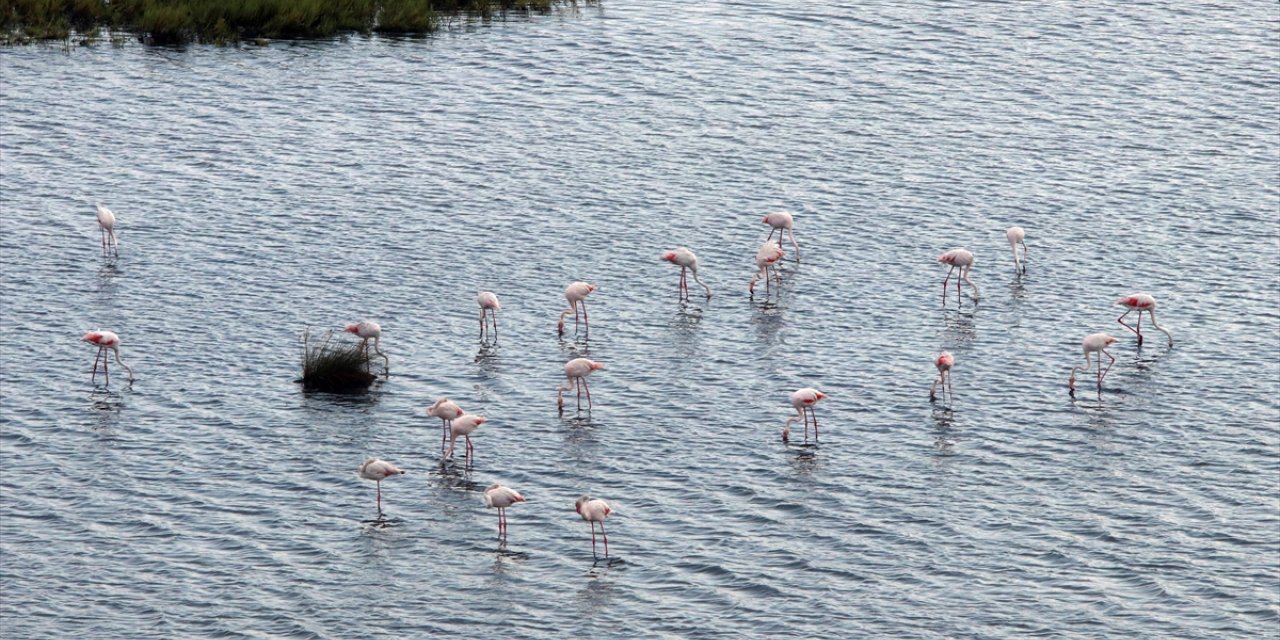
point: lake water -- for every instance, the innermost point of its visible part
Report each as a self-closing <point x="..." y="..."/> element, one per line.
<point x="263" y="190"/>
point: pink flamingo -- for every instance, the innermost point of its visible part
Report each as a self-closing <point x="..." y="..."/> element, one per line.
<point x="105" y="340"/>
<point x="576" y="293"/>
<point x="943" y="362"/>
<point x="368" y="330"/>
<point x="463" y="426"/>
<point x="489" y="306"/>
<point x="447" y="411"/>
<point x="1016" y="236"/>
<point x="1140" y="302"/>
<point x="782" y="223"/>
<point x="685" y="259"/>
<point x="1094" y="343"/>
<point x="803" y="400"/>
<point x="500" y="497"/>
<point x="379" y="470"/>
<point x="575" y="373"/>
<point x="594" y="510"/>
<point x="962" y="259"/>
<point x="107" y="231"/>
<point x="767" y="257"/>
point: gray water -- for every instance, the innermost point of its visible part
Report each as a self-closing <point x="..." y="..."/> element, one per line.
<point x="263" y="190"/>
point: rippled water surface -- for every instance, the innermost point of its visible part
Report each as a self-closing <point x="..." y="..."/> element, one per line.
<point x="267" y="189"/>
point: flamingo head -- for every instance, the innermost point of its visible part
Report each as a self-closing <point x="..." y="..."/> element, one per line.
<point x="577" y="506"/>
<point x="820" y="396"/>
<point x="596" y="366"/>
<point x="591" y="287"/>
<point x="786" y="433"/>
<point x="669" y="256"/>
<point x="351" y="327"/>
<point x="92" y="337"/>
<point x="1112" y="340"/>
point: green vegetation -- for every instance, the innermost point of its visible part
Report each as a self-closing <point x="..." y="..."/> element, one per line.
<point x="337" y="366"/>
<point x="228" y="21"/>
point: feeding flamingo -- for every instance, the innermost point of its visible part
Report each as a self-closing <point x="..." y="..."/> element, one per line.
<point x="575" y="373"/>
<point x="1016" y="236"/>
<point x="1140" y="302"/>
<point x="576" y="293"/>
<point x="685" y="259"/>
<point x="105" y="340"/>
<point x="489" y="306"/>
<point x="803" y="400"/>
<point x="1094" y="343"/>
<point x="943" y="362"/>
<point x="500" y="497"/>
<point x="962" y="259"/>
<point x="369" y="330"/>
<point x="447" y="411"/>
<point x="463" y="426"/>
<point x="594" y="510"/>
<point x="107" y="231"/>
<point x="782" y="223"/>
<point x="767" y="257"/>
<point x="379" y="470"/>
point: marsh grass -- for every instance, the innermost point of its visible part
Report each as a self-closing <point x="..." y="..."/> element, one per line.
<point x="334" y="365"/>
<point x="231" y="21"/>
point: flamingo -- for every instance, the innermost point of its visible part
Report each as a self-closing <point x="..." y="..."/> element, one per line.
<point x="463" y="426"/>
<point x="107" y="231"/>
<point x="687" y="262"/>
<point x="962" y="259"/>
<point x="1140" y="302"/>
<point x="767" y="256"/>
<point x="500" y="497"/>
<point x="1016" y="235"/>
<point x="489" y="306"/>
<point x="594" y="510"/>
<point x="944" y="362"/>
<point x="367" y="330"/>
<point x="803" y="400"/>
<point x="379" y="470"/>
<point x="575" y="373"/>
<point x="576" y="293"/>
<point x="1094" y="343"/>
<point x="447" y="411"/>
<point x="105" y="340"/>
<point x="783" y="223"/>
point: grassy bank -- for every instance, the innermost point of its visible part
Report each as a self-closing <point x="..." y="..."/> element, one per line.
<point x="229" y="21"/>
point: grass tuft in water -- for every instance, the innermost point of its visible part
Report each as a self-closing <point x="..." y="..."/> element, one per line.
<point x="336" y="366"/>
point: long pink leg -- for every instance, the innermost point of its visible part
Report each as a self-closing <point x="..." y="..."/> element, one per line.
<point x="944" y="285"/>
<point x="1102" y="374"/>
<point x="106" y="372"/>
<point x="586" y="322"/>
<point x="593" y="537"/>
<point x="470" y="448"/>
<point x="606" y="539"/>
<point x="959" y="301"/>
<point x="771" y="232"/>
<point x="379" y="485"/>
<point x="815" y="425"/>
<point x="1139" y="327"/>
<point x="101" y="353"/>
<point x="588" y="388"/>
<point x="1126" y="325"/>
<point x="494" y="314"/>
<point x="445" y="427"/>
<point x="482" y="325"/>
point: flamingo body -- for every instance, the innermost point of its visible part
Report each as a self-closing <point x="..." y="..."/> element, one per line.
<point x="767" y="257"/>
<point x="1094" y="343"/>
<point x="782" y="222"/>
<point x="803" y="401"/>
<point x="961" y="259"/>
<point x="594" y="510"/>
<point x="378" y="470"/>
<point x="575" y="373"/>
<point x="687" y="261"/>
<point x="1016" y="235"/>
<point x="489" y="307"/>
<point x="500" y="497"/>
<point x="105" y="341"/>
<point x="1141" y="302"/>
<point x="576" y="295"/>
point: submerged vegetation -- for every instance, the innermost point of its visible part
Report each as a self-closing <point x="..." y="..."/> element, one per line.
<point x="334" y="365"/>
<point x="229" y="21"/>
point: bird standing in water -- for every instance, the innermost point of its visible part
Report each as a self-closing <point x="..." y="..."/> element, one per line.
<point x="943" y="362"/>
<point x="575" y="373"/>
<point x="594" y="510"/>
<point x="576" y="293"/>
<point x="448" y="411"/>
<point x="379" y="470"/>
<point x="463" y="426"/>
<point x="368" y="330"/>
<point x="107" y="231"/>
<point x="105" y="340"/>
<point x="500" y="497"/>
<point x="489" y="307"/>
<point x="782" y="223"/>
<point x="803" y="401"/>
<point x="1140" y="302"/>
<point x="958" y="259"/>
<point x="1016" y="236"/>
<point x="1093" y="343"/>
<point x="687" y="261"/>
<point x="767" y="257"/>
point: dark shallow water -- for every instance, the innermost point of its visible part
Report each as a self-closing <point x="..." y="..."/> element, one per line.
<point x="263" y="190"/>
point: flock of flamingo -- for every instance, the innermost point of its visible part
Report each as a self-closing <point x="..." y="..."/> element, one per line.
<point x="457" y="423"/>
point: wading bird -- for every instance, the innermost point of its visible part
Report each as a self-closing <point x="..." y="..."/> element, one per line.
<point x="379" y="470"/>
<point x="685" y="259"/>
<point x="489" y="306"/>
<point x="447" y="411"/>
<point x="369" y="330"/>
<point x="803" y="400"/>
<point x="943" y="362"/>
<point x="575" y="374"/>
<point x="576" y="293"/>
<point x="107" y="231"/>
<point x="105" y="340"/>
<point x="463" y="426"/>
<point x="963" y="260"/>
<point x="767" y="257"/>
<point x="1140" y="302"/>
<point x="782" y="223"/>
<point x="500" y="497"/>
<point x="1016" y="236"/>
<point x="1094" y="343"/>
<point x="594" y="510"/>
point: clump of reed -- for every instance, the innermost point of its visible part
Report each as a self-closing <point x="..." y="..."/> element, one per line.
<point x="335" y="365"/>
<point x="225" y="22"/>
